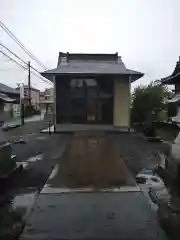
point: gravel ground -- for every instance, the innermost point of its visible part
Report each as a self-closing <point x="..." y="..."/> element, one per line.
<point x="136" y="152"/>
<point x="39" y="154"/>
<point x="28" y="128"/>
<point x="34" y="143"/>
<point x="50" y="148"/>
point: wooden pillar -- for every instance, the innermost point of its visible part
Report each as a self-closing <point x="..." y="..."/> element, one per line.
<point x="54" y="110"/>
<point x="129" y="103"/>
<point x="177" y="88"/>
<point x="1" y="112"/>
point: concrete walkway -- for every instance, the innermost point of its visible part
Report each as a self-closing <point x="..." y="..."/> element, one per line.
<point x="90" y="162"/>
<point x="93" y="216"/>
<point x="71" y="128"/>
<point x="92" y="165"/>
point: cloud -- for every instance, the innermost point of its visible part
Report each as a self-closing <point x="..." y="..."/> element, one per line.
<point x="145" y="33"/>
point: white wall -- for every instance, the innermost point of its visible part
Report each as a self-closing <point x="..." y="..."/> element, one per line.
<point x="122" y="103"/>
<point x="35" y="96"/>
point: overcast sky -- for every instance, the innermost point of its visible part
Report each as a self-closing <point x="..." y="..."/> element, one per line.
<point x="146" y="33"/>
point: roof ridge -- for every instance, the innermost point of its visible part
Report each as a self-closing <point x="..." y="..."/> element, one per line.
<point x="66" y="57"/>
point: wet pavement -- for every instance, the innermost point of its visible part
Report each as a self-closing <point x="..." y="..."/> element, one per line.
<point x="33" y="126"/>
<point x="38" y="156"/>
<point x="90" y="162"/>
<point x="136" y="152"/>
<point x="92" y="216"/>
<point x="17" y="121"/>
<point x="153" y="187"/>
<point x="89" y="194"/>
<point x="74" y="203"/>
<point x="15" y="211"/>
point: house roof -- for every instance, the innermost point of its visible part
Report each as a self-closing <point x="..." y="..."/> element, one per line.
<point x="174" y="76"/>
<point x="90" y="64"/>
<point x="6" y="89"/>
<point x="5" y="98"/>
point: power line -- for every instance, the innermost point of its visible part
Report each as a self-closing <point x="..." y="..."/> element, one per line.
<point x="3" y="26"/>
<point x="6" y="70"/>
<point x="10" y="51"/>
<point x="6" y="55"/>
<point x="12" y="60"/>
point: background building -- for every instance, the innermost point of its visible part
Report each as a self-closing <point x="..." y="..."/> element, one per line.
<point x="35" y="96"/>
<point x="9" y="103"/>
<point x="47" y="100"/>
<point x="92" y="88"/>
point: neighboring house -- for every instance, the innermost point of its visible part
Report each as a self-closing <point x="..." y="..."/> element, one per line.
<point x="35" y="96"/>
<point x="9" y="102"/>
<point x="10" y="92"/>
<point x="47" y="100"/>
<point x="174" y="79"/>
<point x="92" y="88"/>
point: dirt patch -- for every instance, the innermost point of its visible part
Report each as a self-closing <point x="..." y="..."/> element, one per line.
<point x="91" y="161"/>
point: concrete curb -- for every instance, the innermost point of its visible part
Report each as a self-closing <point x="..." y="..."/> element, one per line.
<point x="150" y="139"/>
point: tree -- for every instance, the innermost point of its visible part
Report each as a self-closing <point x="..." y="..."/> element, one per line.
<point x="147" y="102"/>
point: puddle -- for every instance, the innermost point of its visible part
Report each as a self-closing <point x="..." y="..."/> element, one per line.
<point x="41" y="138"/>
<point x="149" y="178"/>
<point x="31" y="134"/>
<point x="46" y="130"/>
<point x="24" y="164"/>
<point x="35" y="158"/>
<point x="14" y="212"/>
<point x="13" y="156"/>
<point x="20" y="141"/>
<point x="153" y="187"/>
<point x="30" y="160"/>
<point x="162" y="160"/>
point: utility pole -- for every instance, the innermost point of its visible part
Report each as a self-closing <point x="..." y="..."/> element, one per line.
<point x="29" y="83"/>
<point x="22" y="103"/>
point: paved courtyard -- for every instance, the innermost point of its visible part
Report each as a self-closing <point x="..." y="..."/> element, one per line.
<point x="125" y="216"/>
<point x="91" y="194"/>
<point x="57" y="166"/>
